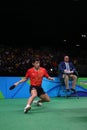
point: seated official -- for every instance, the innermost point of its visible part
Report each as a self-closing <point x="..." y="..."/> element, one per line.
<point x="68" y="71"/>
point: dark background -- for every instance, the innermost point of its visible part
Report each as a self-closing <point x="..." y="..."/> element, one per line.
<point x="46" y="23"/>
<point x="59" y="26"/>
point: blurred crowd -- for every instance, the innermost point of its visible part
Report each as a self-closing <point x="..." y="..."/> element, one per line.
<point x="15" y="61"/>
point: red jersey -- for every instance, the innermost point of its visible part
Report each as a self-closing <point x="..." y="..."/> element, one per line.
<point x="36" y="76"/>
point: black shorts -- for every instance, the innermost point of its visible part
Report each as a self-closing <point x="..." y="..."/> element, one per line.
<point x="39" y="90"/>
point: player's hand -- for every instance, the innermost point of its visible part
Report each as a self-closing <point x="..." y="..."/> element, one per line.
<point x="52" y="78"/>
<point x="16" y="84"/>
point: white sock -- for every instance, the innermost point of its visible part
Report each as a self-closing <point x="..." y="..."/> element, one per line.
<point x="28" y="105"/>
<point x="35" y="101"/>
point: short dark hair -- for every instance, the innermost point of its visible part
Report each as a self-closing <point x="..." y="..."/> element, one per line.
<point x="35" y="59"/>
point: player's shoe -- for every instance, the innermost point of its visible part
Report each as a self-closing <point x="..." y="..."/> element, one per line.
<point x="37" y="103"/>
<point x="26" y="109"/>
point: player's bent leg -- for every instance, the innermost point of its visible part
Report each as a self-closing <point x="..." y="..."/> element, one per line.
<point x="43" y="98"/>
<point x="30" y="100"/>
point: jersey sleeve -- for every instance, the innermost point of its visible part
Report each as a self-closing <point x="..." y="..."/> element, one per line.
<point x="27" y="74"/>
<point x="46" y="73"/>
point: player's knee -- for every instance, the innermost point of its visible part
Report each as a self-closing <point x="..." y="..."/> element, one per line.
<point x="34" y="95"/>
<point x="48" y="99"/>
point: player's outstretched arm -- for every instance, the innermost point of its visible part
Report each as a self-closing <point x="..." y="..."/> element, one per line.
<point x="17" y="83"/>
<point x="20" y="81"/>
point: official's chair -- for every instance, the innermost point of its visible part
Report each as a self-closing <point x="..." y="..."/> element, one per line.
<point x="62" y="88"/>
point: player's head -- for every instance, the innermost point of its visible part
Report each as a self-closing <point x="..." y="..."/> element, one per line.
<point x="36" y="62"/>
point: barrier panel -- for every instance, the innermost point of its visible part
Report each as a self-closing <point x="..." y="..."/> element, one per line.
<point x="50" y="87"/>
